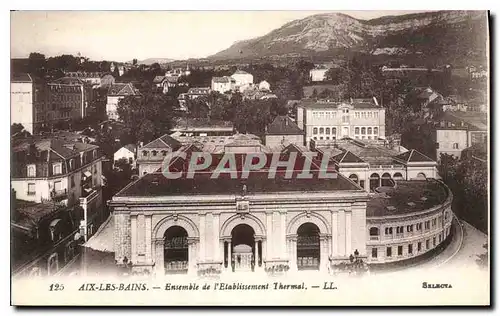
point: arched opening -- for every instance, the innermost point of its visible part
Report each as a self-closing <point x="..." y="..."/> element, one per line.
<point x="243" y="248"/>
<point x="374" y="181"/>
<point x="421" y="176"/>
<point x="398" y="176"/>
<point x="308" y="247"/>
<point x="354" y="178"/>
<point x="175" y="255"/>
<point x="387" y="180"/>
<point x="374" y="232"/>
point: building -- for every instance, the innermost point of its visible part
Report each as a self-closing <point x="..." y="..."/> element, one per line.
<point x="316" y="75"/>
<point x="422" y="97"/>
<point x="150" y="156"/>
<point x="45" y="238"/>
<point x="193" y="93"/>
<point x="373" y="165"/>
<point x="127" y="152"/>
<point x="259" y="224"/>
<point x="242" y="78"/>
<point x="456" y="131"/>
<point x="223" y="84"/>
<point x="116" y="92"/>
<point x="201" y="127"/>
<point x="25" y="101"/>
<point x="362" y="119"/>
<point x="264" y="86"/>
<point x="283" y="130"/>
<point x="46" y="169"/>
<point x="93" y="78"/>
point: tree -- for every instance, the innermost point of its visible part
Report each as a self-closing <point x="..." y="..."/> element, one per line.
<point x="16" y="128"/>
<point x="37" y="64"/>
<point x="147" y="116"/>
<point x="134" y="61"/>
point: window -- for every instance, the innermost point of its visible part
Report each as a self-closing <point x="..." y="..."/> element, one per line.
<point x="145" y="153"/>
<point x="164" y="153"/>
<point x="71" y="164"/>
<point x="400" y="250"/>
<point x="409" y="228"/>
<point x="375" y="114"/>
<point x="345" y="119"/>
<point x="410" y="249"/>
<point x="315" y="138"/>
<point x="419" y="246"/>
<point x="445" y="216"/>
<point x="357" y="114"/>
<point x="374" y="252"/>
<point x="369" y="130"/>
<point x="57" y="168"/>
<point x="433" y="222"/>
<point x="94" y="153"/>
<point x="455" y="145"/>
<point x="334" y="131"/>
<point x="315" y="130"/>
<point x="433" y="241"/>
<point x="440" y="237"/>
<point x="154" y="152"/>
<point x="375" y="130"/>
<point x="389" y="252"/>
<point x="363" y="130"/>
<point x="327" y="131"/>
<point x="427" y="225"/>
<point x="419" y="226"/>
<point x="374" y="231"/>
<point x="31" y="189"/>
<point x="72" y="181"/>
<point x="321" y="138"/>
<point x="427" y="244"/>
<point x="321" y="130"/>
<point x="356" y="130"/>
<point x="31" y="171"/>
<point x="388" y="230"/>
<point x="399" y="230"/>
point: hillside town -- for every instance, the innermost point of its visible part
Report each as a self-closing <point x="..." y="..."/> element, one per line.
<point x="408" y="144"/>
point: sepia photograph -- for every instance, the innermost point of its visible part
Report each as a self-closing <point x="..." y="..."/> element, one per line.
<point x="250" y="158"/>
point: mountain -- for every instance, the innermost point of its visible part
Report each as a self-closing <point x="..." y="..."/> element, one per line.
<point x="151" y="61"/>
<point x="436" y="34"/>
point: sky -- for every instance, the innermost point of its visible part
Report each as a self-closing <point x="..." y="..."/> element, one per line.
<point x="125" y="35"/>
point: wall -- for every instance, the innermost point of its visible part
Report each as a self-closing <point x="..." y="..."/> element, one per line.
<point x="21" y="104"/>
<point x="446" y="138"/>
<point x="112" y="106"/>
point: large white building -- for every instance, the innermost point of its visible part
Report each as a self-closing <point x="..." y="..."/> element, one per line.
<point x="362" y="119"/>
<point x="23" y="98"/>
<point x="201" y="225"/>
<point x="317" y="75"/>
<point x="223" y="84"/>
<point x="242" y="78"/>
<point x="116" y="92"/>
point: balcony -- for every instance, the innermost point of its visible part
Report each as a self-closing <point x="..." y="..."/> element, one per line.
<point x="374" y="238"/>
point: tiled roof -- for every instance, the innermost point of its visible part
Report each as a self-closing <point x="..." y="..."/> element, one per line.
<point x="283" y="125"/>
<point x="199" y="91"/>
<point x="224" y="79"/>
<point x="55" y="147"/>
<point x="413" y="156"/>
<point x="69" y="81"/>
<point x="323" y="104"/>
<point x="103" y="238"/>
<point x="20" y="77"/>
<point x="122" y="89"/>
<point x="130" y="147"/>
<point x="241" y="72"/>
<point x="347" y="157"/>
<point x="165" y="141"/>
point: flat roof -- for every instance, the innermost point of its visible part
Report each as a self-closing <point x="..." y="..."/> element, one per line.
<point x="423" y="194"/>
<point x="156" y="184"/>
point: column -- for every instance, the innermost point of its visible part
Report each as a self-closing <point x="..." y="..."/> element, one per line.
<point x="282" y="240"/>
<point x="159" y="249"/>
<point x="256" y="257"/>
<point x="276" y="235"/>
<point x="149" y="257"/>
<point x="264" y="250"/>
<point x="341" y="233"/>
<point x="133" y="235"/>
<point x="293" y="252"/>
<point x="201" y="255"/>
<point x="229" y="255"/>
<point x="269" y="235"/>
<point x="192" y="241"/>
<point x="348" y="232"/>
<point x="335" y="233"/>
<point x="216" y="239"/>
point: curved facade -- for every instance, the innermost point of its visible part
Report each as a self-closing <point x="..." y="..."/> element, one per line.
<point x="393" y="238"/>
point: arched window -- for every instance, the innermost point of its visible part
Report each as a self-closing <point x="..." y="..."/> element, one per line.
<point x="369" y="131"/>
<point x="308" y="247"/>
<point x="374" y="231"/>
<point x="32" y="171"/>
<point x="327" y="131"/>
<point x="321" y="130"/>
<point x="154" y="152"/>
<point x="387" y="180"/>
<point x="354" y="178"/>
<point x="375" y="130"/>
<point x="356" y="130"/>
<point x="334" y="131"/>
<point x="363" y="130"/>
<point x="455" y="145"/>
<point x="315" y="130"/>
<point x="164" y="153"/>
<point x="145" y="153"/>
<point x="175" y="254"/>
<point x="421" y="176"/>
<point x="374" y="181"/>
<point x="398" y="176"/>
